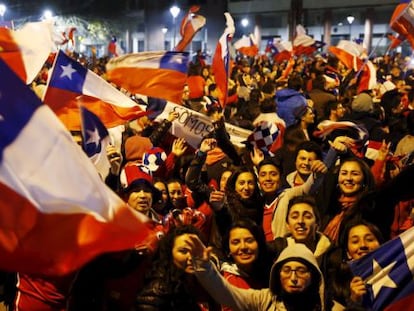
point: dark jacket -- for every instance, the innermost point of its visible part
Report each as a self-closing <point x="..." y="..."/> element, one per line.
<point x="158" y="295"/>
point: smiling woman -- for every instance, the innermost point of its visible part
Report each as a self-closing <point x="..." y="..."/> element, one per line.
<point x="248" y="264"/>
<point x="243" y="195"/>
<point x="358" y="238"/>
<point x="353" y="180"/>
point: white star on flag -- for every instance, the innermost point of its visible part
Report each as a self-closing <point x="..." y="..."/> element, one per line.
<point x="67" y="71"/>
<point x="93" y="137"/>
<point x="380" y="277"/>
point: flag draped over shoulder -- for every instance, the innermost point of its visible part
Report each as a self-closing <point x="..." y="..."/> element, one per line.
<point x="71" y="85"/>
<point x="389" y="274"/>
<point x="95" y="139"/>
<point x="221" y="60"/>
<point x="58" y="214"/>
<point x="156" y="74"/>
<point x="26" y="50"/>
<point x="190" y="25"/>
<point x="402" y="20"/>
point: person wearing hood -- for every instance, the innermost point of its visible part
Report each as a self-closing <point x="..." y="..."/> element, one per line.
<point x="296" y="282"/>
<point x="290" y="99"/>
<point x="365" y="113"/>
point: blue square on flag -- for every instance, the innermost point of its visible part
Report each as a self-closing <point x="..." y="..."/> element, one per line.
<point x="68" y="74"/>
<point x="175" y="61"/>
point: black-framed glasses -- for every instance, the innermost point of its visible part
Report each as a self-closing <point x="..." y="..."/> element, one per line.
<point x="300" y="272"/>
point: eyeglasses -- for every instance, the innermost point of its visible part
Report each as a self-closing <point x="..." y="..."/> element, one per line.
<point x="287" y="271"/>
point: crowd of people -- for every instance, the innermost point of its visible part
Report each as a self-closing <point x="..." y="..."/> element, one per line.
<point x="257" y="227"/>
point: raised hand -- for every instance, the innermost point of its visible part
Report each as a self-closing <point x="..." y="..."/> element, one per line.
<point x="179" y="146"/>
<point x="115" y="159"/>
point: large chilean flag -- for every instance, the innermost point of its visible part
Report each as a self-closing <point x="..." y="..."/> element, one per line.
<point x="55" y="212"/>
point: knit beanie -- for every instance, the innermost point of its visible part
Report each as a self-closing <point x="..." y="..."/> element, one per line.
<point x="362" y="103"/>
<point x="136" y="146"/>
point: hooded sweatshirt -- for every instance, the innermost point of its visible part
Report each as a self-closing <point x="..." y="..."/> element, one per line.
<point x="251" y="299"/>
<point x="288" y="101"/>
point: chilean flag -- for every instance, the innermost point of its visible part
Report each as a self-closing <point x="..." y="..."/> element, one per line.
<point x="221" y="60"/>
<point x="71" y="84"/>
<point x="389" y="274"/>
<point x="56" y="213"/>
<point x="349" y="53"/>
<point x="247" y="45"/>
<point x="26" y="50"/>
<point x="402" y="20"/>
<point x="303" y="44"/>
<point x="95" y="139"/>
<point x="190" y="25"/>
<point x="156" y="74"/>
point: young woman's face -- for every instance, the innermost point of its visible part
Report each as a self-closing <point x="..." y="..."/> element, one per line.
<point x="295" y="277"/>
<point x="243" y="247"/>
<point x="301" y="222"/>
<point x="176" y="194"/>
<point x="351" y="178"/>
<point x="245" y="185"/>
<point x="181" y="253"/>
<point x="361" y="241"/>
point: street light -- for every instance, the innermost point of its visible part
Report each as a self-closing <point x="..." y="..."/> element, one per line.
<point x="3" y="9"/>
<point x="174" y="10"/>
<point x="47" y="15"/>
<point x="244" y="22"/>
<point x="350" y="20"/>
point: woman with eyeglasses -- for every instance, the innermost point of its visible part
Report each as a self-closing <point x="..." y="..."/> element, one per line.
<point x="296" y="282"/>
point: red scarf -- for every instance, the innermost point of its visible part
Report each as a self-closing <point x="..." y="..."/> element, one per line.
<point x="332" y="229"/>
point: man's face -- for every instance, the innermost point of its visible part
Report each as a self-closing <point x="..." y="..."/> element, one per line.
<point x="301" y="222"/>
<point x="140" y="199"/>
<point x="304" y="161"/>
<point x="295" y="277"/>
<point x="269" y="178"/>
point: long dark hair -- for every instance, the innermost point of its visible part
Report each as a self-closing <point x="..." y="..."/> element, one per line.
<point x="163" y="265"/>
<point x="346" y="227"/>
<point x="238" y="207"/>
<point x="328" y="197"/>
<point x="262" y="265"/>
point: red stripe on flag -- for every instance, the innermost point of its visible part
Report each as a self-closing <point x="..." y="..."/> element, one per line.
<point x="110" y="115"/>
<point x="159" y="83"/>
<point x="11" y="54"/>
<point x="56" y="244"/>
